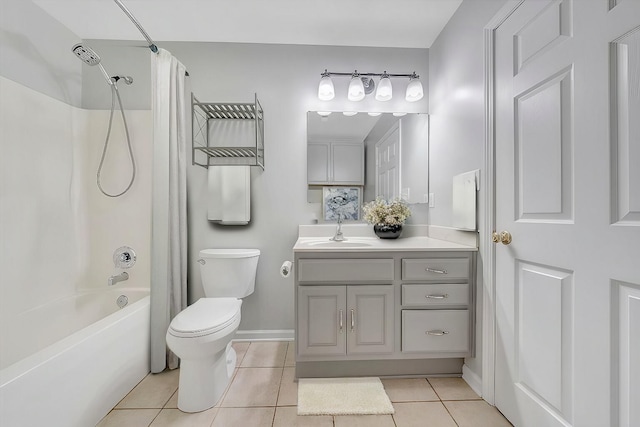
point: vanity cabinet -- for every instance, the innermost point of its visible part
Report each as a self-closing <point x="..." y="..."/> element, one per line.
<point x="346" y="320"/>
<point x="384" y="312"/>
<point x="335" y="163"/>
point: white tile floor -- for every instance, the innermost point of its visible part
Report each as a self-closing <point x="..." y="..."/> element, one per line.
<point x="263" y="393"/>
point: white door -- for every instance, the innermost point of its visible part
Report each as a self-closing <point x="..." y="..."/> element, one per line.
<point x="388" y="165"/>
<point x="568" y="191"/>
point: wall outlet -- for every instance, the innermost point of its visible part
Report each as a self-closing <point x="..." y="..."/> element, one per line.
<point x="432" y="200"/>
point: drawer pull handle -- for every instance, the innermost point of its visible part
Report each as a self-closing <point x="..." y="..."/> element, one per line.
<point x="353" y="320"/>
<point x="340" y="321"/>
<point x="440" y="296"/>
<point x="435" y="270"/>
<point x="437" y="333"/>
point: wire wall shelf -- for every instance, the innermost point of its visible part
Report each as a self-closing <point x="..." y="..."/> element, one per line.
<point x="227" y="134"/>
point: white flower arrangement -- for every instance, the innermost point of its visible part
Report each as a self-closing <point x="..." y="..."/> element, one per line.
<point x="381" y="212"/>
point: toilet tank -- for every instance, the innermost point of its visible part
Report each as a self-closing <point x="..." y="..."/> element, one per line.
<point x="228" y="272"/>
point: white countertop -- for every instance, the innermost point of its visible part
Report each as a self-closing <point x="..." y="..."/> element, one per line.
<point x="374" y="244"/>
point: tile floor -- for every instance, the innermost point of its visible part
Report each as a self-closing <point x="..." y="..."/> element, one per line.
<point x="263" y="393"/>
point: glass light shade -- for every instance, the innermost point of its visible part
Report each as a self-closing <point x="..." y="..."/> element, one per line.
<point x="356" y="89"/>
<point x="326" y="91"/>
<point x="399" y="114"/>
<point x="324" y="113"/>
<point x="374" y="114"/>
<point x="349" y="113"/>
<point x="414" y="90"/>
<point x="384" y="91"/>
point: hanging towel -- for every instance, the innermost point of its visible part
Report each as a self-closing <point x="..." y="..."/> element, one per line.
<point x="229" y="195"/>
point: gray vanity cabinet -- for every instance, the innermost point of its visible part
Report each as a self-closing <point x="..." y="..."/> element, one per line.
<point x="345" y="320"/>
<point x="384" y="312"/>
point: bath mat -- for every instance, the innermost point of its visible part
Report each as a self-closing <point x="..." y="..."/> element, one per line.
<point x="342" y="396"/>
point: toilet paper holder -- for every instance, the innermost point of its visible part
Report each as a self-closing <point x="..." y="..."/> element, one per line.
<point x="285" y="268"/>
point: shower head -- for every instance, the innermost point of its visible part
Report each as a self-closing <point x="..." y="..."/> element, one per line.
<point x="86" y="54"/>
<point x="90" y="57"/>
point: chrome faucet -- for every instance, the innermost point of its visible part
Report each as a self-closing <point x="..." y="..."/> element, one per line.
<point x="118" y="278"/>
<point x="339" y="237"/>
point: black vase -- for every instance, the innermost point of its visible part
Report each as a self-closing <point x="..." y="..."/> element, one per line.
<point x="387" y="231"/>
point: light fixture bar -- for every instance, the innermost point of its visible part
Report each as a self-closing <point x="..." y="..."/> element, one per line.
<point x="331" y="73"/>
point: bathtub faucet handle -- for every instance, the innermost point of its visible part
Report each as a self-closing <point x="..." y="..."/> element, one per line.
<point x="201" y="261"/>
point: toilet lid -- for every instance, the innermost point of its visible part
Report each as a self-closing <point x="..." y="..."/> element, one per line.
<point x="206" y="316"/>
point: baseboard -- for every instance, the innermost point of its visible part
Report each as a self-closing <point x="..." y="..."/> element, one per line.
<point x="473" y="379"/>
<point x="265" y="335"/>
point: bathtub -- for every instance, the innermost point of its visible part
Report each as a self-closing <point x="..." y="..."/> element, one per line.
<point x="82" y="356"/>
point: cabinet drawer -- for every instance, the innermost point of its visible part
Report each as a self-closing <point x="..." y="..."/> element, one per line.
<point x="435" y="295"/>
<point x="435" y="331"/>
<point x="345" y="270"/>
<point x="435" y="269"/>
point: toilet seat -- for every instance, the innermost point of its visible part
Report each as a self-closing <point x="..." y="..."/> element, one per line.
<point x="207" y="316"/>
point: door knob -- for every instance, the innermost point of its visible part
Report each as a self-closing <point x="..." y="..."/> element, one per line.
<point x="503" y="237"/>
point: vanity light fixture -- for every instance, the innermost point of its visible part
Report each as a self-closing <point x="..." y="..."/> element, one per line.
<point x="362" y="84"/>
<point x="400" y="114"/>
<point x="324" y="113"/>
<point x="356" y="88"/>
<point x="414" y="89"/>
<point x="349" y="113"/>
<point x="326" y="91"/>
<point x="374" y="114"/>
<point x="385" y="90"/>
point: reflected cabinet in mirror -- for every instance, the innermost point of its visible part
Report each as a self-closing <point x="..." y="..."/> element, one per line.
<point x="385" y="155"/>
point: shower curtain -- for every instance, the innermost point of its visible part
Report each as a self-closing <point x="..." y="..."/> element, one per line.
<point x="171" y="133"/>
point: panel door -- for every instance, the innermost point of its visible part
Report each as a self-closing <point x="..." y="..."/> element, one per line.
<point x="388" y="165"/>
<point x="370" y="320"/>
<point x="348" y="164"/>
<point x="571" y="204"/>
<point x="321" y="320"/>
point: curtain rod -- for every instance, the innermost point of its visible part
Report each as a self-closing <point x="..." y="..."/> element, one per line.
<point x="152" y="44"/>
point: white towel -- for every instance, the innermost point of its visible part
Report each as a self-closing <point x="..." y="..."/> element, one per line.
<point x="229" y="195"/>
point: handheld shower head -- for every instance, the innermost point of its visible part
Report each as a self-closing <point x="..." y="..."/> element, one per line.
<point x="90" y="57"/>
<point x="86" y="54"/>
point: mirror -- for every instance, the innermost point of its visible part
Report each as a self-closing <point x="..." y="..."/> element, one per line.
<point x="385" y="155"/>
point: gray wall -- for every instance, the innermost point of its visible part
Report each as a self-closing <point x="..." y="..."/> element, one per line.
<point x="456" y="83"/>
<point x="286" y="79"/>
<point x="35" y="51"/>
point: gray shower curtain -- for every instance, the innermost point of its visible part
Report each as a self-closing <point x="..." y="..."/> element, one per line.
<point x="171" y="101"/>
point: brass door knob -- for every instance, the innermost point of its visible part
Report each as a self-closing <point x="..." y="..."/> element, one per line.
<point x="503" y="237"/>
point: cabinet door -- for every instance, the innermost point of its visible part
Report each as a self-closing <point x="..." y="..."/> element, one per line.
<point x="322" y="321"/>
<point x="318" y="163"/>
<point x="370" y="317"/>
<point x="348" y="164"/>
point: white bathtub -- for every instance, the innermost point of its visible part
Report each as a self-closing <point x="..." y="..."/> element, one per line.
<point x="69" y="362"/>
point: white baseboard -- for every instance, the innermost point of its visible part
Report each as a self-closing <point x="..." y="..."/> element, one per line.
<point x="473" y="379"/>
<point x="265" y="335"/>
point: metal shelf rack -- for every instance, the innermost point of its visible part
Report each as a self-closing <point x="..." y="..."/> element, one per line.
<point x="243" y="151"/>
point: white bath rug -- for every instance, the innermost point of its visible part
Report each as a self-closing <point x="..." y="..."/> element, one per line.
<point x="342" y="396"/>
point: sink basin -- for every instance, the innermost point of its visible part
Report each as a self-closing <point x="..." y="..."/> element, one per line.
<point x="343" y="244"/>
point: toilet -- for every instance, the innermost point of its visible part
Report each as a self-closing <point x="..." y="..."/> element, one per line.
<point x="201" y="334"/>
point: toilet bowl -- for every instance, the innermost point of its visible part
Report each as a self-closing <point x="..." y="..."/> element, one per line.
<point x="201" y="334"/>
<point x="201" y="337"/>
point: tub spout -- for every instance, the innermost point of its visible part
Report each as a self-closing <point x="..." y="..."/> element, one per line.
<point x="118" y="278"/>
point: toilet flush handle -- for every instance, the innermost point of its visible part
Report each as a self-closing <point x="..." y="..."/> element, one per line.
<point x="201" y="261"/>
